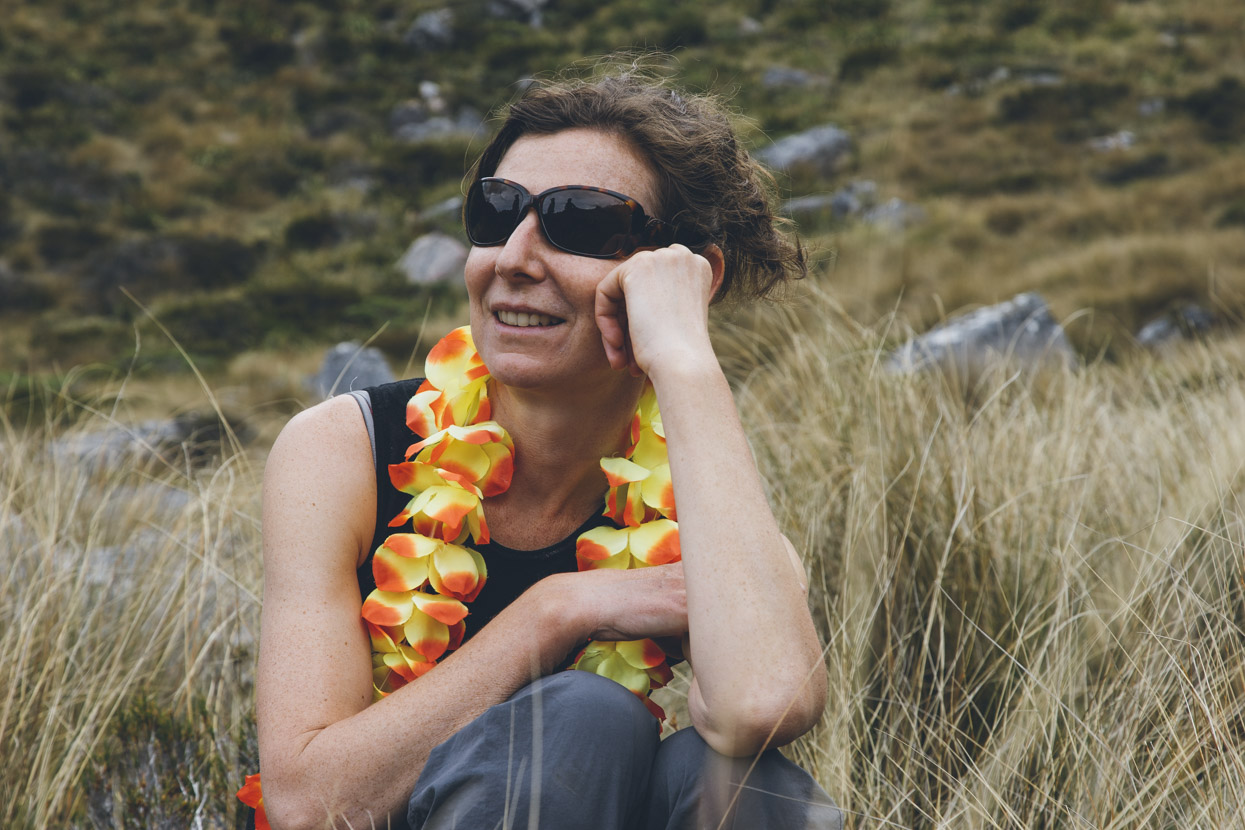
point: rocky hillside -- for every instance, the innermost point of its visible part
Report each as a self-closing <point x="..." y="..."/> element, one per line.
<point x="250" y="172"/>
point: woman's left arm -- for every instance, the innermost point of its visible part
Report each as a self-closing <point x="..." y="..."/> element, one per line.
<point x="759" y="672"/>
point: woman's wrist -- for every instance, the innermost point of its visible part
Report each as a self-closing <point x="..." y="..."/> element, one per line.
<point x="560" y="620"/>
<point x="685" y="366"/>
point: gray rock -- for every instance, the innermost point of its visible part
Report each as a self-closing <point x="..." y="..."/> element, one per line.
<point x="16" y="538"/>
<point x="414" y="130"/>
<point x="1020" y="330"/>
<point x="433" y="258"/>
<point x="843" y="204"/>
<point x="349" y="366"/>
<point x="451" y="208"/>
<point x="782" y="77"/>
<point x="431" y="30"/>
<point x="193" y="437"/>
<point x="1180" y="324"/>
<point x="407" y="113"/>
<point x="524" y="11"/>
<point x="1121" y="140"/>
<point x="749" y="26"/>
<point x="823" y="148"/>
<point x="1150" y="107"/>
<point x="814" y="206"/>
<point x="161" y="502"/>
<point x="894" y="215"/>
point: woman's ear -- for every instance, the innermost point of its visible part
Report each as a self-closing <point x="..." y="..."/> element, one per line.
<point x="717" y="261"/>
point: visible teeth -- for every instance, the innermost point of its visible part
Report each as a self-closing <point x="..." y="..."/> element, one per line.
<point x="523" y="318"/>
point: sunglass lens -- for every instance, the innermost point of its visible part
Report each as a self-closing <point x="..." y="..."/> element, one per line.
<point x="492" y="212"/>
<point x="586" y="222"/>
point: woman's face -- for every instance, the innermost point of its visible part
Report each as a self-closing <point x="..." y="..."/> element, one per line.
<point x="532" y="305"/>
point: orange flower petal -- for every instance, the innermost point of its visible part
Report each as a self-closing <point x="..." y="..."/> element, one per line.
<point x="650" y="450"/>
<point x="642" y="654"/>
<point x="387" y="608"/>
<point x="411" y="545"/>
<point x="393" y="572"/>
<point x="601" y="543"/>
<point x="407" y="663"/>
<point x="449" y="504"/>
<point x="457" y="632"/>
<point x="451" y="359"/>
<point x="458" y="572"/>
<point x="462" y="458"/>
<point x="656" y="542"/>
<point x="660" y="675"/>
<point x="658" y="491"/>
<point x="251" y="793"/>
<point x="500" y="472"/>
<point x="422" y="410"/>
<point x="620" y="471"/>
<point x="428" y="636"/>
<point x="619" y="670"/>
<point x="446" y="610"/>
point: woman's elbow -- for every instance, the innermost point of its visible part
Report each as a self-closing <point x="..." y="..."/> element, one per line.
<point x="291" y="806"/>
<point x="766" y="718"/>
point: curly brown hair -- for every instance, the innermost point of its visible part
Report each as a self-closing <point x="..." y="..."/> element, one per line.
<point x="708" y="185"/>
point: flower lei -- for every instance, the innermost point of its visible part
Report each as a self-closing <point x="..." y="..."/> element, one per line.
<point x="424" y="579"/>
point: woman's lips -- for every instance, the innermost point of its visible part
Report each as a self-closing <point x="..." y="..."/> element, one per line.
<point x="525" y="319"/>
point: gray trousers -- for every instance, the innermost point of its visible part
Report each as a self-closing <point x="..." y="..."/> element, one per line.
<point x="574" y="750"/>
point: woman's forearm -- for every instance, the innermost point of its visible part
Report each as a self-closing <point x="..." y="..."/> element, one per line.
<point x="757" y="658"/>
<point x="352" y="768"/>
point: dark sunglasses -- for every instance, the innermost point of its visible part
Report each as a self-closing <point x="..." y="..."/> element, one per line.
<point x="576" y="218"/>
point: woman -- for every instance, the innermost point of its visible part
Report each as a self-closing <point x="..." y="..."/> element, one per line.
<point x="577" y="299"/>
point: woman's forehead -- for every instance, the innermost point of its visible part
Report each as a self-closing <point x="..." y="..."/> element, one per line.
<point x="580" y="156"/>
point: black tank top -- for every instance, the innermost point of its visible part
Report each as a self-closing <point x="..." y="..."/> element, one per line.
<point x="510" y="571"/>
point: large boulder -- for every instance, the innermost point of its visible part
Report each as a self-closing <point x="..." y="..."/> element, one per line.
<point x="191" y="436"/>
<point x="349" y="366"/>
<point x="1020" y="330"/>
<point x="822" y="148"/>
<point x="433" y="258"/>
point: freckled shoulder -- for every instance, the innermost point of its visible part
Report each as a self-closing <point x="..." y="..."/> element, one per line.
<point x="320" y="469"/>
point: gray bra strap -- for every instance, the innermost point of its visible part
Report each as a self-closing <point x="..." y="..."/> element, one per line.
<point x="364" y="400"/>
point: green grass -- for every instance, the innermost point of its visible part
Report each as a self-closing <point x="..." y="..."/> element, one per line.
<point x="214" y="150"/>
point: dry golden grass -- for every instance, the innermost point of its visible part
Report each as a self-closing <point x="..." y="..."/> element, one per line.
<point x="118" y="581"/>
<point x="1032" y="587"/>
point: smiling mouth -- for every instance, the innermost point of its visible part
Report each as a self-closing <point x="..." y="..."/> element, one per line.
<point x="524" y="319"/>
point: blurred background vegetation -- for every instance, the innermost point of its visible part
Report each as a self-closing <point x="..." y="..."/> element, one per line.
<point x="247" y="170"/>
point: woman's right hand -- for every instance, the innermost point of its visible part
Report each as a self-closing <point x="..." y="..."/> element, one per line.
<point x="611" y="605"/>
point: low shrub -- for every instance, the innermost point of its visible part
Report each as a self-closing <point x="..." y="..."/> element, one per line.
<point x="67" y="242"/>
<point x="1060" y="103"/>
<point x="1220" y="109"/>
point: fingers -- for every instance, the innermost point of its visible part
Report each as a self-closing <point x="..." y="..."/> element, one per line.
<point x="633" y="604"/>
<point x="611" y="316"/>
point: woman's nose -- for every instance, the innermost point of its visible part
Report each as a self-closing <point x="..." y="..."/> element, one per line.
<point x="522" y="255"/>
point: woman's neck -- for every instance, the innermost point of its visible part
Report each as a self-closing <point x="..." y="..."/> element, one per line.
<point x="559" y="440"/>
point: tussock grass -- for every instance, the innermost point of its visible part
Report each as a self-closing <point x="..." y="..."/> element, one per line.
<point x="1031" y="588"/>
<point x="119" y="584"/>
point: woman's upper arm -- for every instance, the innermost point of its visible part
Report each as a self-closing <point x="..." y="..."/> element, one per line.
<point x="319" y="505"/>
